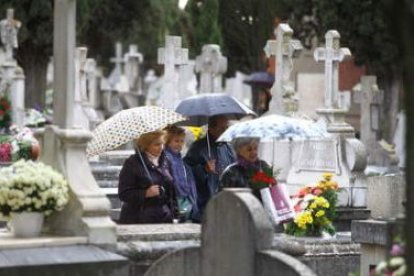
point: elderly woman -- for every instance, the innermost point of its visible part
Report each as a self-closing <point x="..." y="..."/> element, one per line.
<point x="145" y="183"/>
<point x="247" y="164"/>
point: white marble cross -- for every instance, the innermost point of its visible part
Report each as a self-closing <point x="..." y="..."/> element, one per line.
<point x="284" y="48"/>
<point x="133" y="59"/>
<point x="332" y="55"/>
<point x="64" y="38"/>
<point x="118" y="59"/>
<point x="171" y="55"/>
<point x="211" y="65"/>
<point x="9" y="28"/>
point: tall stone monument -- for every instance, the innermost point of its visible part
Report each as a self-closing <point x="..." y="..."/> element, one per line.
<point x="171" y="55"/>
<point x="64" y="147"/>
<point x="284" y="49"/>
<point x="342" y="154"/>
<point x="211" y="65"/>
<point x="11" y="75"/>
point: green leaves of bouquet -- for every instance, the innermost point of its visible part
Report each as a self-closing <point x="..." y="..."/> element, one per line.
<point x="28" y="186"/>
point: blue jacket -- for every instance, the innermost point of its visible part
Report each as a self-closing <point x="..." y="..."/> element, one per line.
<point x="197" y="157"/>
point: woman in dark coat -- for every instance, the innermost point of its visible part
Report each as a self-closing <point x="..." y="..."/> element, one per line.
<point x="145" y="183"/>
<point x="238" y="174"/>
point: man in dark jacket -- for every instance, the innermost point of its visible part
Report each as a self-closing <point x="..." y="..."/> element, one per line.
<point x="208" y="159"/>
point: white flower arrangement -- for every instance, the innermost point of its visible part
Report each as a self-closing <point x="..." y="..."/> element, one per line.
<point x="28" y="186"/>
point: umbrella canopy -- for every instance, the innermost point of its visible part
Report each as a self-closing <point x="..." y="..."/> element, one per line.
<point x="274" y="127"/>
<point x="129" y="124"/>
<point x="261" y="79"/>
<point x="200" y="107"/>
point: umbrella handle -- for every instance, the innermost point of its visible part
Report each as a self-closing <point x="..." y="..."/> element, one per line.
<point x="144" y="165"/>
<point x="208" y="146"/>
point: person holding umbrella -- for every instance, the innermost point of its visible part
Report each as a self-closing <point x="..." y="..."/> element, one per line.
<point x="146" y="184"/>
<point x="208" y="159"/>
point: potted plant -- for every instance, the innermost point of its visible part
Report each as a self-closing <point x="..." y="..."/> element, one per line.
<point x="29" y="191"/>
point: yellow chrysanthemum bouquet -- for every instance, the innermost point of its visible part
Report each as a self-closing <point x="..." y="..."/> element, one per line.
<point x="315" y="208"/>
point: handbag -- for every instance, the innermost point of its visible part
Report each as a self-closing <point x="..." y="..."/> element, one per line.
<point x="185" y="207"/>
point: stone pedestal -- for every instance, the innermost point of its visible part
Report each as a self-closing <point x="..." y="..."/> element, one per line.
<point x="341" y="154"/>
<point x="386" y="196"/>
<point x="375" y="237"/>
<point x="87" y="213"/>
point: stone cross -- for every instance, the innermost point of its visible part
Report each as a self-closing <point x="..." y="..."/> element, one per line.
<point x="8" y="30"/>
<point x="332" y="55"/>
<point x="211" y="65"/>
<point x="64" y="39"/>
<point x="132" y="61"/>
<point x="81" y="94"/>
<point x="171" y="55"/>
<point x="92" y="82"/>
<point x="284" y="48"/>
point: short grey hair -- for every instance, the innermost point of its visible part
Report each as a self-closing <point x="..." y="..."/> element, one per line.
<point x="237" y="143"/>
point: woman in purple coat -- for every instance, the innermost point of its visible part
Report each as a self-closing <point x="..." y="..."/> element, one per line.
<point x="145" y="183"/>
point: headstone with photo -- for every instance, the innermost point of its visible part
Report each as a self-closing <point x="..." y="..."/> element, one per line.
<point x="211" y="65"/>
<point x="171" y="55"/>
<point x="284" y="49"/>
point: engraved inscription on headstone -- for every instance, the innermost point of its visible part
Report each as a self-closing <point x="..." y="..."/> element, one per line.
<point x="318" y="156"/>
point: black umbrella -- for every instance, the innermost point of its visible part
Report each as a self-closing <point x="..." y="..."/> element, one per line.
<point x="200" y="107"/>
<point x="261" y="79"/>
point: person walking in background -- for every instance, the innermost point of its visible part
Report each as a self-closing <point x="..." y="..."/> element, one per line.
<point x="146" y="184"/>
<point x="208" y="159"/>
<point x="184" y="182"/>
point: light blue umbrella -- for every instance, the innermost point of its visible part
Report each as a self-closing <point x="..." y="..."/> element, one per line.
<point x="274" y="127"/>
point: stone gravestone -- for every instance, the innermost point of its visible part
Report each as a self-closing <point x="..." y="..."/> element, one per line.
<point x="133" y="59"/>
<point x="187" y="80"/>
<point x="211" y="65"/>
<point x="64" y="147"/>
<point x="236" y="239"/>
<point x="284" y="49"/>
<point x="342" y="154"/>
<point x="171" y="56"/>
<point x="11" y="75"/>
<point x="85" y="115"/>
<point x="399" y="139"/>
<point x="371" y="100"/>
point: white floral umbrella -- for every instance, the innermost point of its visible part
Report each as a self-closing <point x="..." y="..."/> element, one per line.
<point x="129" y="124"/>
<point x="274" y="127"/>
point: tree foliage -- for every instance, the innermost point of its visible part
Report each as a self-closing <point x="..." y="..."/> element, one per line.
<point x="246" y="26"/>
<point x="203" y="16"/>
<point x="365" y="27"/>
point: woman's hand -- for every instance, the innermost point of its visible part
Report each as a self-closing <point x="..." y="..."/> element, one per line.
<point x="152" y="191"/>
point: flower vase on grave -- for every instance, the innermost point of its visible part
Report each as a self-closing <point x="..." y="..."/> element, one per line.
<point x="26" y="224"/>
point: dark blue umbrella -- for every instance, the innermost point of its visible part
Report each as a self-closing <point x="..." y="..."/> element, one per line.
<point x="200" y="107"/>
<point x="262" y="79"/>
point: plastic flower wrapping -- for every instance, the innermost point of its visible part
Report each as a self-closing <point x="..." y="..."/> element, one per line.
<point x="315" y="207"/>
<point x="395" y="265"/>
<point x="5" y="112"/>
<point x="28" y="186"/>
<point x="22" y="145"/>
